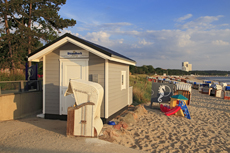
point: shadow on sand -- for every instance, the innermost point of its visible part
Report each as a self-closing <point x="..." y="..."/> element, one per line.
<point x="57" y="126"/>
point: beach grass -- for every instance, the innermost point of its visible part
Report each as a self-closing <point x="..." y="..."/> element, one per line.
<point x="141" y="88"/>
<point x="16" y="76"/>
<point x="12" y="76"/>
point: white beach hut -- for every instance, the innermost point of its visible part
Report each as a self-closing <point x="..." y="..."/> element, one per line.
<point x="72" y="57"/>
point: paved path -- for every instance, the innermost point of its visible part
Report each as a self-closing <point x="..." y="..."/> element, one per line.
<point x="35" y="135"/>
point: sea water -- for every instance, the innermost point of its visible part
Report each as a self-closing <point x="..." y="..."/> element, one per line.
<point x="219" y="79"/>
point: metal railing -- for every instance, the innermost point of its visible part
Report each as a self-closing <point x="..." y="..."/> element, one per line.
<point x="7" y="87"/>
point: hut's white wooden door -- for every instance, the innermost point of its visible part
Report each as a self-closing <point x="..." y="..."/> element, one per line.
<point x="70" y="69"/>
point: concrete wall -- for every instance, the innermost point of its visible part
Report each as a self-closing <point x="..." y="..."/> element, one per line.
<point x="18" y="105"/>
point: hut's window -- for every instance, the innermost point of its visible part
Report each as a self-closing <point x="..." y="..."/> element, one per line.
<point x="123" y="80"/>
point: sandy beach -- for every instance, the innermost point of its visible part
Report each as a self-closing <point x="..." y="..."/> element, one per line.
<point x="207" y="130"/>
<point x="36" y="135"/>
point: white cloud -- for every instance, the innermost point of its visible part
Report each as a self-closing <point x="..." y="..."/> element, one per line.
<point x="224" y="25"/>
<point x="144" y="42"/>
<point x="203" y="22"/>
<point x="118" y="24"/>
<point x="62" y="32"/>
<point x="135" y="46"/>
<point x="184" y="40"/>
<point x="102" y="38"/>
<point x="184" y="17"/>
<point x="96" y="26"/>
<point x="197" y="41"/>
<point x="98" y="36"/>
<point x="169" y="45"/>
<point x="121" y="41"/>
<point x="220" y="42"/>
<point x="175" y="46"/>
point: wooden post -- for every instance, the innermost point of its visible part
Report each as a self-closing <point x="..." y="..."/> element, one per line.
<point x="70" y="122"/>
<point x="39" y="85"/>
<point x="19" y="88"/>
<point x="22" y="85"/>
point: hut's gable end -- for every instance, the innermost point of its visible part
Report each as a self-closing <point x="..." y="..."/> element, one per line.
<point x="69" y="46"/>
<point x="118" y="96"/>
<point x="52" y="80"/>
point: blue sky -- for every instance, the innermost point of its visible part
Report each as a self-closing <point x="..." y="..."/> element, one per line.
<point x="162" y="33"/>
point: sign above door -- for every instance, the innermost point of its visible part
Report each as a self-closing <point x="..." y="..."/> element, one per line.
<point x="73" y="53"/>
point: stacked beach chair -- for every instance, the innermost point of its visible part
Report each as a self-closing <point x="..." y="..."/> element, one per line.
<point x="223" y="85"/>
<point x="167" y="80"/>
<point x="206" y="86"/>
<point x="152" y="79"/>
<point x="227" y="92"/>
<point x="221" y="90"/>
<point x="160" y="80"/>
<point x="184" y="89"/>
<point x="215" y="90"/>
<point x="195" y="85"/>
<point x="183" y="80"/>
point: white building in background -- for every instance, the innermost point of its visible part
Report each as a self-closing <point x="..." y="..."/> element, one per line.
<point x="186" y="66"/>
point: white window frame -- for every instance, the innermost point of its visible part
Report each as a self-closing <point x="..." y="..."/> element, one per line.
<point x="123" y="80"/>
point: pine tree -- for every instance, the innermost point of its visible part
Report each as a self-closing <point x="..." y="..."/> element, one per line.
<point x="6" y="39"/>
<point x="33" y="21"/>
<point x="39" y="19"/>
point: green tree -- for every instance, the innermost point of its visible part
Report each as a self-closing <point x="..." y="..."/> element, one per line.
<point x="4" y="11"/>
<point x="145" y="69"/>
<point x="150" y="68"/>
<point x="34" y="20"/>
<point x="132" y="69"/>
<point x="3" y="56"/>
<point x="158" y="70"/>
<point x="140" y="70"/>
